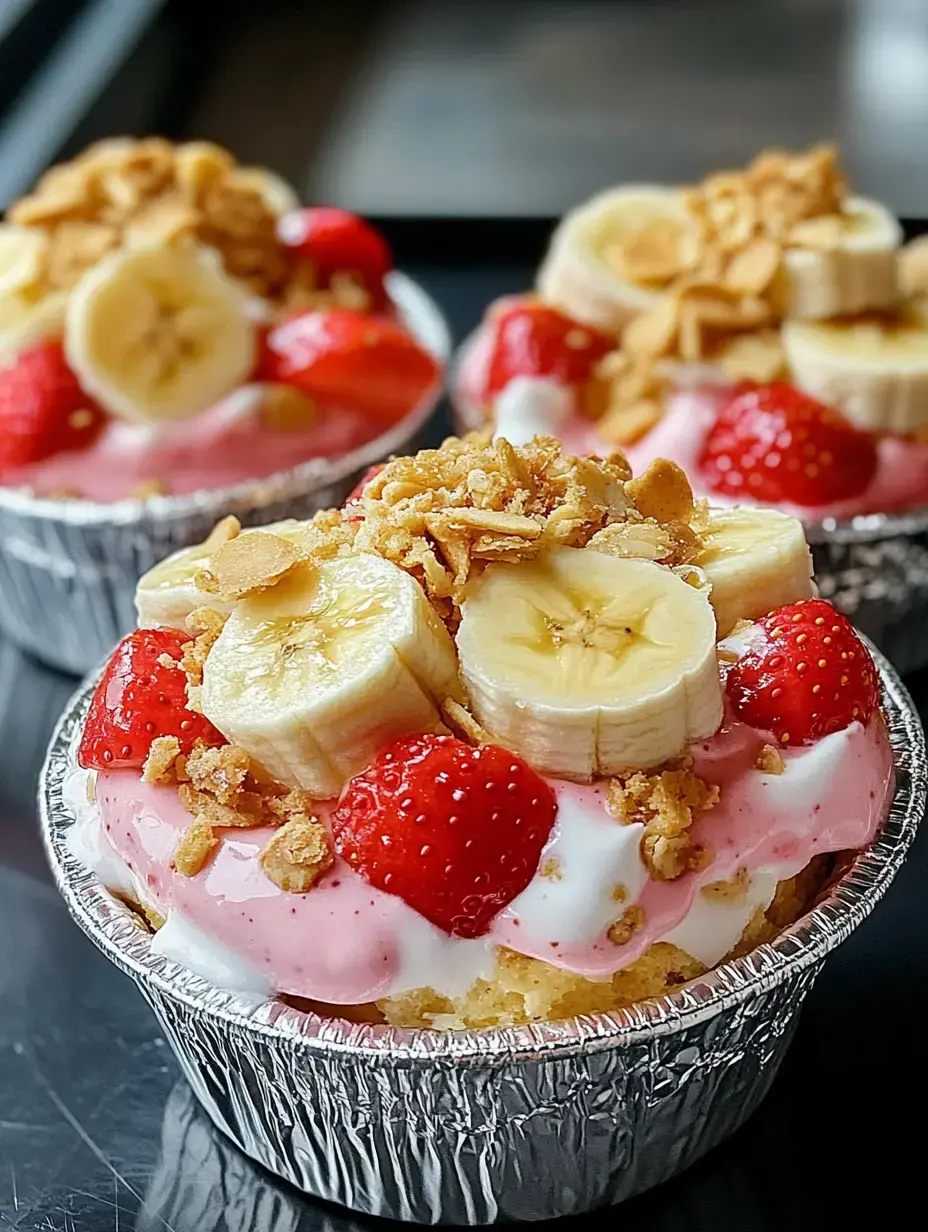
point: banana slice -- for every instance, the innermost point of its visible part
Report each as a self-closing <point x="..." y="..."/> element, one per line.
<point x="856" y="272"/>
<point x="315" y="676"/>
<point x="755" y="560"/>
<point x="873" y="369"/>
<point x="166" y="594"/>
<point x="158" y="333"/>
<point x="588" y="664"/>
<point x="582" y="273"/>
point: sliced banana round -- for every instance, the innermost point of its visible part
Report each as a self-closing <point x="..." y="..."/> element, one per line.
<point x="850" y="265"/>
<point x="874" y="369"/>
<point x="316" y="675"/>
<point x="583" y="273"/>
<point x="159" y="333"/>
<point x="755" y="560"/>
<point x="167" y="593"/>
<point x="587" y="664"/>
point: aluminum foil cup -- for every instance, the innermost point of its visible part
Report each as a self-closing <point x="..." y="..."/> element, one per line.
<point x="68" y="568"/>
<point x="517" y="1123"/>
<point x="874" y="567"/>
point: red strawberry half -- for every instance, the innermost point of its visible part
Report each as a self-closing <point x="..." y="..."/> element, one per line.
<point x="138" y="699"/>
<point x="455" y="832"/>
<point x="808" y="675"/>
<point x="43" y="409"/>
<point x="531" y="339"/>
<point x="339" y="242"/>
<point x="774" y="443"/>
<point x="369" y="364"/>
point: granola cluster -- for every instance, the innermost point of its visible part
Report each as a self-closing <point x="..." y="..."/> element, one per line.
<point x="666" y="802"/>
<point x="222" y="787"/>
<point x="127" y="192"/>
<point x="720" y="268"/>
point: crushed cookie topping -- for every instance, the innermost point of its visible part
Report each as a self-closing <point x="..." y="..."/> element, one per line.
<point x="622" y="931"/>
<point x="666" y="802"/>
<point x="298" y="854"/>
<point x="160" y="763"/>
<point x="444" y="512"/>
<point x="462" y="722"/>
<point x="206" y="624"/>
<point x="719" y="267"/>
<point x="770" y="760"/>
<point x="126" y="193"/>
<point x="732" y="891"/>
<point x="194" y="849"/>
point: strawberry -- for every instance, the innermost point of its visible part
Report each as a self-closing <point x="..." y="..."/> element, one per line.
<point x="339" y="242"/>
<point x="455" y="832"/>
<point x="43" y="409"/>
<point x="808" y="675"/>
<point x="138" y="699"/>
<point x="774" y="443"/>
<point x="531" y="339"/>
<point x="370" y="364"/>
<point x="371" y="473"/>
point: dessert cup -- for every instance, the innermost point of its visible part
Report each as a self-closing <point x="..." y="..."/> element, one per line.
<point x="68" y="568"/>
<point x="873" y="566"/>
<point x="514" y="1123"/>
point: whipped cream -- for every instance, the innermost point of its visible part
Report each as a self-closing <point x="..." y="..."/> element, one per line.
<point x="532" y="406"/>
<point x="345" y="942"/>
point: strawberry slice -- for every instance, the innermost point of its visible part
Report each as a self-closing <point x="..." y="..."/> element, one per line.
<point x="774" y="443"/>
<point x="337" y="241"/>
<point x="370" y="364"/>
<point x="531" y="339"/>
<point x="43" y="409"/>
<point x="138" y="699"/>
<point x="808" y="675"/>
<point x="455" y="832"/>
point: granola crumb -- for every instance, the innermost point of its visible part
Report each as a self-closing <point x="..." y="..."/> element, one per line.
<point x="220" y="771"/>
<point x="460" y="719"/>
<point x="622" y="931"/>
<point x="224" y="530"/>
<point x="194" y="848"/>
<point x="666" y="802"/>
<point x="247" y="564"/>
<point x="298" y="854"/>
<point x="662" y="492"/>
<point x="770" y="760"/>
<point x="163" y="753"/>
<point x="724" y="655"/>
<point x="444" y="513"/>
<point x="619" y="892"/>
<point x="551" y="869"/>
<point x="207" y="624"/>
<point x="732" y="891"/>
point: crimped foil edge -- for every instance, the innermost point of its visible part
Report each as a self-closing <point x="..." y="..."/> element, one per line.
<point x="424" y="319"/>
<point x="117" y="931"/>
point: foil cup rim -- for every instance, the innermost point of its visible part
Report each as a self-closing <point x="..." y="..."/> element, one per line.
<point x="117" y="931"/>
<point x="425" y="321"/>
<point x="860" y="528"/>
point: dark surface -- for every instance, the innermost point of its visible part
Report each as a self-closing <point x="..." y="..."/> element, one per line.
<point x="98" y="1132"/>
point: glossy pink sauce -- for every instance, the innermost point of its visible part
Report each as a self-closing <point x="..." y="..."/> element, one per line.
<point x="226" y="445"/>
<point x="900" y="482"/>
<point x="344" y="942"/>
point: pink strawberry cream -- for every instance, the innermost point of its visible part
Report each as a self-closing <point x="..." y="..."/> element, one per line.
<point x="530" y="406"/>
<point x="226" y="445"/>
<point x="347" y="943"/>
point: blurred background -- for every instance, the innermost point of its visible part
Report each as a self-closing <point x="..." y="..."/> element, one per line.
<point x="474" y="108"/>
